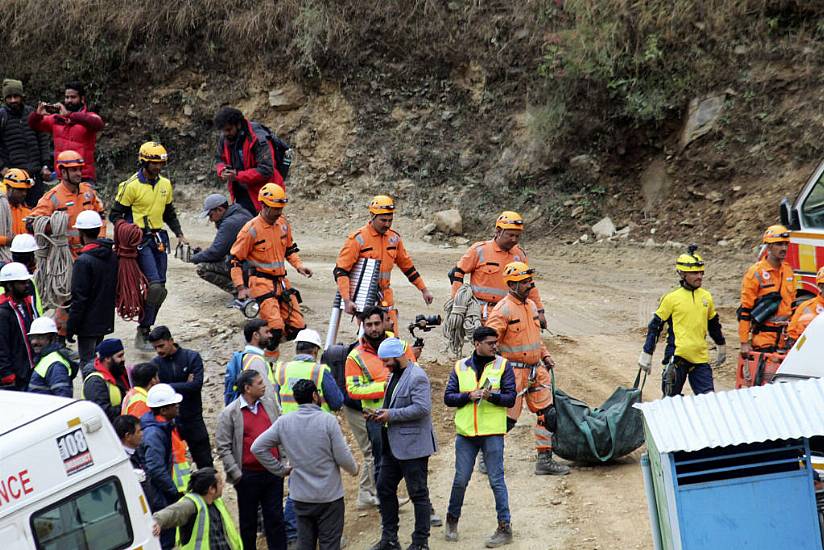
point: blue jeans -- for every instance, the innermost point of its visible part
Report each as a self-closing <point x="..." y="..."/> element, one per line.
<point x="291" y="519"/>
<point x="153" y="264"/>
<point x="466" y="450"/>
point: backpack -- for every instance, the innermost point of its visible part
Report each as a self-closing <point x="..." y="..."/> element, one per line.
<point x="233" y="368"/>
<point x="283" y="153"/>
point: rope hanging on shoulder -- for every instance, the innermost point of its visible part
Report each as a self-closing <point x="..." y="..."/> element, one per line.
<point x="463" y="316"/>
<point x="132" y="285"/>
<point x="5" y="228"/>
<point x="54" y="259"/>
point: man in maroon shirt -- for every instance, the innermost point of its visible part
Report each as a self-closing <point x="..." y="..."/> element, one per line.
<point x="240" y="423"/>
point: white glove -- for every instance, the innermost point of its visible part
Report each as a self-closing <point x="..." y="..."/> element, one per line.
<point x="645" y="362"/>
<point x="720" y="354"/>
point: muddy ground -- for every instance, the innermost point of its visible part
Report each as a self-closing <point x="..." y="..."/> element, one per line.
<point x="598" y="297"/>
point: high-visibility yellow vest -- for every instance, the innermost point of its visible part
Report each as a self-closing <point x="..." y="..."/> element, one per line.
<point x="289" y="373"/>
<point x="270" y="372"/>
<point x="478" y="418"/>
<point x="139" y="395"/>
<point x="199" y="539"/>
<point x="42" y="367"/>
<point x="115" y="397"/>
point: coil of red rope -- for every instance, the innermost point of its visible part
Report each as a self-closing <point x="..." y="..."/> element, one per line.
<point x="132" y="285"/>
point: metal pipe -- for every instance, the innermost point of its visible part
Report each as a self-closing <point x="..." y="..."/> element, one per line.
<point x="332" y="329"/>
<point x="652" y="508"/>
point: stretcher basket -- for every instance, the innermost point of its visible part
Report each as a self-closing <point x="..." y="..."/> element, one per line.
<point x="597" y="435"/>
<point x="757" y="368"/>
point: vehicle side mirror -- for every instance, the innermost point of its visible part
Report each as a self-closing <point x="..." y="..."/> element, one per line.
<point x="787" y="215"/>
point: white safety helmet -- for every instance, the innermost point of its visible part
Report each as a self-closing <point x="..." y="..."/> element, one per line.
<point x="43" y="325"/>
<point x="14" y="271"/>
<point x="310" y="336"/>
<point x="88" y="219"/>
<point x="161" y="395"/>
<point x="24" y="243"/>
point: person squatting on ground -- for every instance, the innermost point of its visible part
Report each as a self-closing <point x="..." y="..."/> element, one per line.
<point x="17" y="311"/>
<point x="245" y="159"/>
<point x="200" y="516"/>
<point x="182" y="369"/>
<point x="213" y="263"/>
<point x="22" y="147"/>
<point x="94" y="282"/>
<point x="806" y="312"/>
<point x="73" y="127"/>
<point x="378" y="241"/>
<point x="146" y="199"/>
<point x="481" y="387"/>
<point x="516" y="320"/>
<point x="317" y="450"/>
<point x="690" y="312"/>
<point x="105" y="380"/>
<point x="53" y="367"/>
<point x="767" y="295"/>
<point x="266" y="244"/>
<point x="238" y="426"/>
<point x="484" y="263"/>
<point x="408" y="442"/>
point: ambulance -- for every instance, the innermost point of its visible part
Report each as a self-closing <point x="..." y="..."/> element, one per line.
<point x="65" y="481"/>
<point x="804" y="217"/>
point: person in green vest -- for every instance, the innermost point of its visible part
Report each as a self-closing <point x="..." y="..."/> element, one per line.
<point x="305" y="366"/>
<point x="481" y="387"/>
<point x="53" y="370"/>
<point x="201" y="518"/>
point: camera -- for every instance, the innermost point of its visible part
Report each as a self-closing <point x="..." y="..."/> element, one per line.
<point x="51" y="108"/>
<point x="424" y="323"/>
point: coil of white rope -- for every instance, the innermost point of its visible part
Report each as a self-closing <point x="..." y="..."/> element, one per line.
<point x="54" y="260"/>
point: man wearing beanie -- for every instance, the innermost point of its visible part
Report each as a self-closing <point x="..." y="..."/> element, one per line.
<point x="20" y="145"/>
<point x="105" y="381"/>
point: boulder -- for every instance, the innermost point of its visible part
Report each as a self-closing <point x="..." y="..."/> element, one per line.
<point x="449" y="222"/>
<point x="287" y="98"/>
<point x="702" y="114"/>
<point x="604" y="228"/>
<point x="428" y="229"/>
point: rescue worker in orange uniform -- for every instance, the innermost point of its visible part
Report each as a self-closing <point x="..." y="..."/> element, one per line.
<point x="515" y="318"/>
<point x="72" y="195"/>
<point x="17" y="183"/>
<point x="378" y="241"/>
<point x="806" y="311"/>
<point x="484" y="262"/>
<point x="266" y="243"/>
<point x="767" y="292"/>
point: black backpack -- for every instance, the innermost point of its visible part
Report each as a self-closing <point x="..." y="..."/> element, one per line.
<point x="283" y="153"/>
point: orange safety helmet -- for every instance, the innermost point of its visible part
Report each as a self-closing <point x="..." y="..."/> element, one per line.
<point x="517" y="271"/>
<point x="17" y="179"/>
<point x="382" y="204"/>
<point x="819" y="277"/>
<point x="510" y="220"/>
<point x="70" y="159"/>
<point x="776" y="234"/>
<point x="273" y="195"/>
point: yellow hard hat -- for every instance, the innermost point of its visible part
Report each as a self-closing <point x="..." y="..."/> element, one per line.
<point x="382" y="204"/>
<point x="510" y="220"/>
<point x="690" y="262"/>
<point x="517" y="271"/>
<point x="273" y="195"/>
<point x="70" y="159"/>
<point x="17" y="178"/>
<point x="819" y="277"/>
<point x="152" y="151"/>
<point x="776" y="234"/>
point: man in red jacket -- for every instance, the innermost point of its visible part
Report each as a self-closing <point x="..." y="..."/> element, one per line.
<point x="73" y="127"/>
<point x="245" y="158"/>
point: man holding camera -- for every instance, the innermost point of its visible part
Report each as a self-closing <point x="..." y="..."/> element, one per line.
<point x="517" y="322"/>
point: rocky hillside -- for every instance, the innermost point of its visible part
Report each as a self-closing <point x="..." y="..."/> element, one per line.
<point x="683" y="124"/>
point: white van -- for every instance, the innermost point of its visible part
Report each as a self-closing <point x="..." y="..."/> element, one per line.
<point x="65" y="481"/>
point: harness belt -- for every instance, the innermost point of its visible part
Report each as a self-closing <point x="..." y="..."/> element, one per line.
<point x="255" y="273"/>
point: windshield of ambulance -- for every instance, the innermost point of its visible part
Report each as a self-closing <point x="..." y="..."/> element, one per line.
<point x="812" y="210"/>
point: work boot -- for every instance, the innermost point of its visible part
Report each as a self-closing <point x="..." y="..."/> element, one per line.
<point x="481" y="464"/>
<point x="451" y="531"/>
<point x="141" y="339"/>
<point x="547" y="466"/>
<point x="366" y="501"/>
<point x="414" y="546"/>
<point x="387" y="545"/>
<point x="501" y="536"/>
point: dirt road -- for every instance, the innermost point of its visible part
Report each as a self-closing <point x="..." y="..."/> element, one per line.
<point x="598" y="299"/>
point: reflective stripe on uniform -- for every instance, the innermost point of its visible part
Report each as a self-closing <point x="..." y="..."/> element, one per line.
<point x="266" y="265"/>
<point x="115" y="398"/>
<point x="480" y="418"/>
<point x="488" y="290"/>
<point x="518" y="349"/>
<point x="42" y="367"/>
<point x="360" y="240"/>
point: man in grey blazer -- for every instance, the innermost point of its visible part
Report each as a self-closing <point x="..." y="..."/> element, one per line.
<point x="408" y="441"/>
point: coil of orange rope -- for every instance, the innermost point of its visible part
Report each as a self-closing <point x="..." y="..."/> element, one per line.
<point x="132" y="285"/>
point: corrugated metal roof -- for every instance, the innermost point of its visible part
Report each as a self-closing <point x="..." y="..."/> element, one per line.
<point x="766" y="413"/>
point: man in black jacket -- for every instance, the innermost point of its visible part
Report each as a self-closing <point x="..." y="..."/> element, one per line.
<point x="94" y="282"/>
<point x="17" y="311"/>
<point x="20" y="146"/>
<point x="128" y="430"/>
<point x="182" y="369"/>
<point x="105" y="381"/>
<point x="212" y="264"/>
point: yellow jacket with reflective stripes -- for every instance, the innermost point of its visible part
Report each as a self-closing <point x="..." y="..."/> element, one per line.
<point x="482" y="417"/>
<point x="287" y="374"/>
